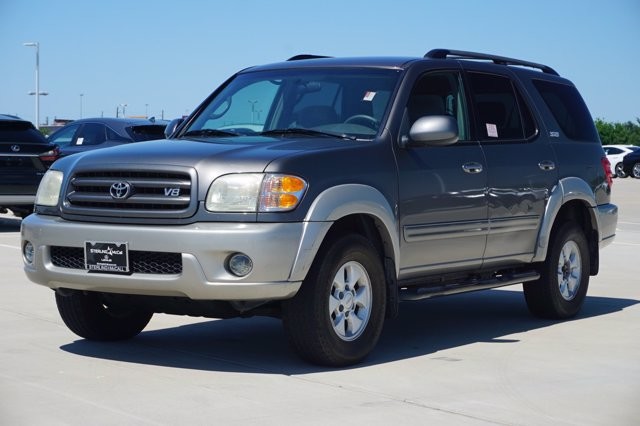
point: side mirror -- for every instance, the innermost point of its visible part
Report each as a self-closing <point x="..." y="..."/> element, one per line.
<point x="433" y="130"/>
<point x="172" y="126"/>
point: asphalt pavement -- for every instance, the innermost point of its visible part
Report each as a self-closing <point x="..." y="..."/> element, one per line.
<point x="473" y="359"/>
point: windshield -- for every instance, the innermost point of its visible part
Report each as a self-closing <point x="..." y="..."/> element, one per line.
<point x="332" y="102"/>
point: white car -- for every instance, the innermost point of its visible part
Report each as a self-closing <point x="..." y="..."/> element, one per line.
<point x="615" y="154"/>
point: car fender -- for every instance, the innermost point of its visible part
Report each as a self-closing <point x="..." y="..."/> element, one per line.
<point x="333" y="204"/>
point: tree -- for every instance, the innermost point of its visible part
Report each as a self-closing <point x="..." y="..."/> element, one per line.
<point x="619" y="133"/>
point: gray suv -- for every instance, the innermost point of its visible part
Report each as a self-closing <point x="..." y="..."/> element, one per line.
<point x="325" y="191"/>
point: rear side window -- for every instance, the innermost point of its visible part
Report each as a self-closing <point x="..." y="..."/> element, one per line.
<point x="569" y="110"/>
<point x="501" y="113"/>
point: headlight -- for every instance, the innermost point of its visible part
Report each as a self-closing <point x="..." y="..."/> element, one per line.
<point x="234" y="193"/>
<point x="49" y="190"/>
<point x="252" y="192"/>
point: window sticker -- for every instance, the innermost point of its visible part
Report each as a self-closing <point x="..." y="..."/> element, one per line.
<point x="79" y="141"/>
<point x="368" y="96"/>
<point x="492" y="130"/>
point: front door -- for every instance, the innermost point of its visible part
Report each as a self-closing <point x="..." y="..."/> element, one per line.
<point x="442" y="190"/>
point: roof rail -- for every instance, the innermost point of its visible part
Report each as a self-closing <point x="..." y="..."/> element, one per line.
<point x="461" y="54"/>
<point x="306" y="56"/>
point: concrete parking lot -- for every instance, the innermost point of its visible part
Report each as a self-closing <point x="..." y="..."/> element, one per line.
<point x="472" y="359"/>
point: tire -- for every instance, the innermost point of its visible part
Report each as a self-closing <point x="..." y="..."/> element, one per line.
<point x="564" y="276"/>
<point x="336" y="317"/>
<point x="87" y="316"/>
<point x="635" y="170"/>
<point x="619" y="171"/>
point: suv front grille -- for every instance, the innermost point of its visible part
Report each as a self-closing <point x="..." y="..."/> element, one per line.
<point x="140" y="262"/>
<point x="156" y="194"/>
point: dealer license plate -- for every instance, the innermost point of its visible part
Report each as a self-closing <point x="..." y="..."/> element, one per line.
<point x="106" y="256"/>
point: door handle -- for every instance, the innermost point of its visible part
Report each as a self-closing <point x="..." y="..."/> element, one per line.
<point x="472" y="167"/>
<point x="547" y="165"/>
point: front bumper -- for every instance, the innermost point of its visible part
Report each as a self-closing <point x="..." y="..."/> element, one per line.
<point x="204" y="248"/>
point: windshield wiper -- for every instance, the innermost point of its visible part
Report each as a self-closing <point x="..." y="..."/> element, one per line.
<point x="209" y="133"/>
<point x="306" y="132"/>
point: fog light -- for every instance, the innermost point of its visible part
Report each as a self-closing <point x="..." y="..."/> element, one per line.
<point x="27" y="252"/>
<point x="239" y="264"/>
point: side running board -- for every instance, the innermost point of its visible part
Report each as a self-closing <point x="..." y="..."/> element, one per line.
<point x="501" y="280"/>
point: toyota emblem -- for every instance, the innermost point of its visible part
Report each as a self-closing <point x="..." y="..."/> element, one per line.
<point x="15" y="148"/>
<point x="120" y="190"/>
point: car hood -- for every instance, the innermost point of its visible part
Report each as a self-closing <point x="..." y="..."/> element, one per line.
<point x="209" y="159"/>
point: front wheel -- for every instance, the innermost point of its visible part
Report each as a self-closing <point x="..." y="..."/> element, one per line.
<point x="90" y="317"/>
<point x="564" y="276"/>
<point x="635" y="170"/>
<point x="619" y="171"/>
<point x="336" y="317"/>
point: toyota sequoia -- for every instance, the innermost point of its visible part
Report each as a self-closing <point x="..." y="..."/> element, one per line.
<point x="325" y="191"/>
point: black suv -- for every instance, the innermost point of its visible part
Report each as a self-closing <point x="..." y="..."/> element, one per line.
<point x="325" y="191"/>
<point x="25" y="155"/>
<point x="631" y="164"/>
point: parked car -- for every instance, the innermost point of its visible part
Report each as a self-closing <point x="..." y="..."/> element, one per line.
<point x="25" y="156"/>
<point x="325" y="191"/>
<point x="615" y="154"/>
<point x="631" y="164"/>
<point x="92" y="133"/>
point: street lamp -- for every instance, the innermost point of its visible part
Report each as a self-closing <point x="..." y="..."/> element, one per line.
<point x="81" y="95"/>
<point x="37" y="92"/>
<point x="253" y="110"/>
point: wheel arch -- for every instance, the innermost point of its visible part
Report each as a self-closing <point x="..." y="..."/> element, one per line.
<point x="351" y="208"/>
<point x="571" y="200"/>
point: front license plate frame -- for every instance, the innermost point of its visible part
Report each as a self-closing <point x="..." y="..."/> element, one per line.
<point x="106" y="256"/>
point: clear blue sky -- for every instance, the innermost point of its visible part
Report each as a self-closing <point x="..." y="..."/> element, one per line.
<point x="168" y="56"/>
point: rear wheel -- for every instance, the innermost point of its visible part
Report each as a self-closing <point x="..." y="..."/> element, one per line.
<point x="635" y="170"/>
<point x="336" y="317"/>
<point x="619" y="171"/>
<point x="87" y="315"/>
<point x="564" y="276"/>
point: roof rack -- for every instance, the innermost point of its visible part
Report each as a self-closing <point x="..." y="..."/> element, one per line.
<point x="306" y="56"/>
<point x="501" y="60"/>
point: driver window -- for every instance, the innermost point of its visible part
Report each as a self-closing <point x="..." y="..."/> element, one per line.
<point x="64" y="137"/>
<point x="438" y="93"/>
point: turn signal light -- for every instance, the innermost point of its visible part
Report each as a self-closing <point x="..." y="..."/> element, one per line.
<point x="281" y="192"/>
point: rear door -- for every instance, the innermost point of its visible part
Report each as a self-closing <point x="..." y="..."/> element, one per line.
<point x="521" y="165"/>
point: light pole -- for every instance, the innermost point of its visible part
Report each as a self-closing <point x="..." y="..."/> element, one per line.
<point x="37" y="92"/>
<point x="253" y="111"/>
<point x="123" y="107"/>
<point x="81" y="95"/>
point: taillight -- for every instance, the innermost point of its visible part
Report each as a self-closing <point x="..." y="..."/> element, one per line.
<point x="50" y="156"/>
<point x="608" y="174"/>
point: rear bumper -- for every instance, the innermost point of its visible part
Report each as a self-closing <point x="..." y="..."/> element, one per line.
<point x="607" y="218"/>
